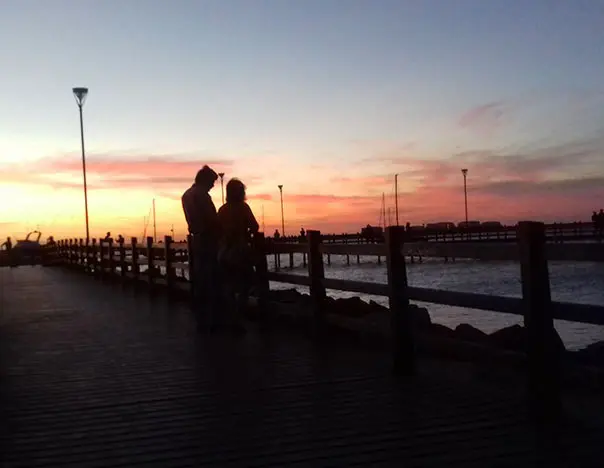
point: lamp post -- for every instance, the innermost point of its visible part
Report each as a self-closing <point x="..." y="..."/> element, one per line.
<point x="80" y="97"/>
<point x="465" y="193"/>
<point x="221" y="175"/>
<point x="282" y="217"/>
<point x="396" y="196"/>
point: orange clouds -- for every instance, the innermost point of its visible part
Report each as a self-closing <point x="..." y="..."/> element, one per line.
<point x="557" y="182"/>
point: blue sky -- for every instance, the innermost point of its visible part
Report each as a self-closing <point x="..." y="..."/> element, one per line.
<point x="303" y="82"/>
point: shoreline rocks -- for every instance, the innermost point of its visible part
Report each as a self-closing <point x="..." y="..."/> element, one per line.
<point x="367" y="314"/>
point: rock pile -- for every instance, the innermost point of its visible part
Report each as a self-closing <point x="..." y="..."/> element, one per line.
<point x="512" y="338"/>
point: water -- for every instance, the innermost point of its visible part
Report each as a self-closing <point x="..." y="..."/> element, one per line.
<point x="570" y="282"/>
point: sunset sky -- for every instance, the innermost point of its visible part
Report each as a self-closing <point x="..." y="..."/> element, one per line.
<point x="330" y="98"/>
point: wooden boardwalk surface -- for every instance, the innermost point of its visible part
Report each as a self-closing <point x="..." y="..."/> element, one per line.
<point x="92" y="376"/>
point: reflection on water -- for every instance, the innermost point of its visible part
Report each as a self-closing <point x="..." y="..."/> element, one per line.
<point x="570" y="282"/>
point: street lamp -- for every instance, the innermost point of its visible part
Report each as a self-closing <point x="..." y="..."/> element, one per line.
<point x="396" y="196"/>
<point x="221" y="175"/>
<point x="465" y="192"/>
<point x="282" y="217"/>
<point x="80" y="97"/>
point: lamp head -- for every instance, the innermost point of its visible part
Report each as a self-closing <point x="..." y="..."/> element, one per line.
<point x="221" y="175"/>
<point x="280" y="187"/>
<point x="80" y="95"/>
<point x="464" y="171"/>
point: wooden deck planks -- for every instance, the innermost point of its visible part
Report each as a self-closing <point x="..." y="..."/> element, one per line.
<point x="93" y="376"/>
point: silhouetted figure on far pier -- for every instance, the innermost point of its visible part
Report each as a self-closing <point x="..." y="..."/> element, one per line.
<point x="202" y="221"/>
<point x="276" y="235"/>
<point x="235" y="254"/>
<point x="597" y="218"/>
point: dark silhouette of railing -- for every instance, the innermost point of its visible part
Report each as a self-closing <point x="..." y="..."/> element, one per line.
<point x="557" y="232"/>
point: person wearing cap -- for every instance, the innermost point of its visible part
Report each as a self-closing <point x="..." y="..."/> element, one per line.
<point x="202" y="221"/>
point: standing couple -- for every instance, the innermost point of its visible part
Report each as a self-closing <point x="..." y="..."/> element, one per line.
<point x="222" y="256"/>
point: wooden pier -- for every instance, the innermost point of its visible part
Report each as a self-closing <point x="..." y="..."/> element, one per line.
<point x="96" y="374"/>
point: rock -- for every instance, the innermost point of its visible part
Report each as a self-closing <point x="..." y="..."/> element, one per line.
<point x="592" y="354"/>
<point x="469" y="333"/>
<point x="350" y="307"/>
<point x="514" y="339"/>
<point x="378" y="308"/>
<point x="285" y="295"/>
<point x="440" y="330"/>
<point x="421" y="316"/>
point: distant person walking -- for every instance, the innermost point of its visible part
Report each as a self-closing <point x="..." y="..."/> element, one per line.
<point x="202" y="221"/>
<point x="236" y="255"/>
<point x="10" y="256"/>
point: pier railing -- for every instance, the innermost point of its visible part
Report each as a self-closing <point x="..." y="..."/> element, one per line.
<point x="555" y="233"/>
<point x="167" y="266"/>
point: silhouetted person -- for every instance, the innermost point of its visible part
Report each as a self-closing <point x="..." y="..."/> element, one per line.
<point x="302" y="233"/>
<point x="202" y="221"/>
<point x="120" y="239"/>
<point x="600" y="221"/>
<point x="276" y="235"/>
<point x="107" y="237"/>
<point x="10" y="255"/>
<point x="236" y="255"/>
<point x="8" y="244"/>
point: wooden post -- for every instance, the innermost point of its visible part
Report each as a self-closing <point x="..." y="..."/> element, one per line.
<point x="87" y="268"/>
<point x="135" y="266"/>
<point x="542" y="356"/>
<point x="192" y="267"/>
<point x="291" y="260"/>
<point x="70" y="252"/>
<point x="170" y="274"/>
<point x="150" y="263"/>
<point x="304" y="260"/>
<point x="110" y="262"/>
<point x="316" y="274"/>
<point x="123" y="264"/>
<point x="82" y="258"/>
<point x="102" y="260"/>
<point x="261" y="270"/>
<point x="94" y="258"/>
<point x="403" y="348"/>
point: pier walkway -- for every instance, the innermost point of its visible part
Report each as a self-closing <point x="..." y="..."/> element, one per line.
<point x="96" y="376"/>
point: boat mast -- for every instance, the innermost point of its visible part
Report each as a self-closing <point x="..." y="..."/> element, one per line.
<point x="154" y="224"/>
<point x="262" y="219"/>
<point x="384" y="209"/>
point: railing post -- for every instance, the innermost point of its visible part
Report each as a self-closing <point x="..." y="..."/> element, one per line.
<point x="403" y="347"/>
<point x="123" y="264"/>
<point x="102" y="262"/>
<point x="542" y="355"/>
<point x="135" y="265"/>
<point x="150" y="263"/>
<point x="87" y="268"/>
<point x="170" y="273"/>
<point x="316" y="274"/>
<point x="261" y="270"/>
<point x="191" y="263"/>
<point x="81" y="251"/>
<point x="110" y="261"/>
<point x="94" y="259"/>
<point x="70" y="252"/>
